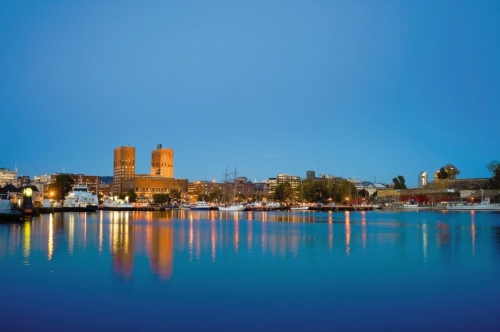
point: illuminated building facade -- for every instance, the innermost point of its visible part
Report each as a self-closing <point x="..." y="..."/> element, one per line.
<point x="8" y="177"/>
<point x="162" y="162"/>
<point x="145" y="186"/>
<point x="199" y="188"/>
<point x="123" y="167"/>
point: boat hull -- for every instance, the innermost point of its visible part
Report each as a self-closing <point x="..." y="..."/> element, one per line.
<point x="474" y="208"/>
<point x="14" y="215"/>
<point x="232" y="208"/>
<point x="299" y="208"/>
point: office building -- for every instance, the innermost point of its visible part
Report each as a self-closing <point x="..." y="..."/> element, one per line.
<point x="123" y="167"/>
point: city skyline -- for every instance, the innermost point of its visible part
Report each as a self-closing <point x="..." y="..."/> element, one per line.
<point x="364" y="90"/>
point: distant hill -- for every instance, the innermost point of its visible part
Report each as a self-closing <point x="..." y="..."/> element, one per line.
<point x="106" y="179"/>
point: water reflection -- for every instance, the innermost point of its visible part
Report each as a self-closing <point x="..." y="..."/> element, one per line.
<point x="124" y="237"/>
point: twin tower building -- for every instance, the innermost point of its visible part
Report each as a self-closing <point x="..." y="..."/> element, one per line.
<point x="160" y="181"/>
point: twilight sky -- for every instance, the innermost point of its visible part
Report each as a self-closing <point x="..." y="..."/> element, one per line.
<point x="353" y="88"/>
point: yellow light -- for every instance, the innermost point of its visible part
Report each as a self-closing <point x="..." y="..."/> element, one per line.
<point x="28" y="192"/>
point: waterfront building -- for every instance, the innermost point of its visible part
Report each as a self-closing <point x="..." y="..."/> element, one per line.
<point x="92" y="182"/>
<point x="162" y="162"/>
<point x="293" y="180"/>
<point x="260" y="190"/>
<point x="145" y="185"/>
<point x="272" y="183"/>
<point x="198" y="188"/>
<point x="123" y="166"/>
<point x="8" y="177"/>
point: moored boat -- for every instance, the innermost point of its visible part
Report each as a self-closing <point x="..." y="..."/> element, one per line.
<point x="484" y="205"/>
<point x="200" y="205"/>
<point x="413" y="207"/>
<point x="116" y="204"/>
<point x="81" y="199"/>
<point x="7" y="213"/>
<point x="233" y="207"/>
<point x="299" y="208"/>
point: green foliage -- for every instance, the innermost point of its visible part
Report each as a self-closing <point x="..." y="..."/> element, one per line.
<point x="132" y="196"/>
<point x="496" y="199"/>
<point x="442" y="174"/>
<point x="175" y="195"/>
<point x="494" y="168"/>
<point x="216" y="195"/>
<point x="321" y="191"/>
<point x="161" y="198"/>
<point x="315" y="191"/>
<point x="203" y="197"/>
<point x="448" y="172"/>
<point x="344" y="191"/>
<point x="62" y="186"/>
<point x="399" y="182"/>
<point x="284" y="192"/>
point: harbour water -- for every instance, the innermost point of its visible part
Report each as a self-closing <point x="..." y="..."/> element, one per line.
<point x="249" y="271"/>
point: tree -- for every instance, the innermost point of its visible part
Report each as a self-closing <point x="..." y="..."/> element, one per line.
<point x="216" y="195"/>
<point x="494" y="168"/>
<point x="175" y="195"/>
<point x="62" y="186"/>
<point x="345" y="190"/>
<point x="399" y="182"/>
<point x="448" y="172"/>
<point x="203" y="197"/>
<point x="132" y="196"/>
<point x="161" y="198"/>
<point x="315" y="191"/>
<point x="283" y="192"/>
<point x="442" y="174"/>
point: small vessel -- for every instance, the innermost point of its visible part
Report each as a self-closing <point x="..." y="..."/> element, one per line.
<point x="116" y="204"/>
<point x="413" y="207"/>
<point x="299" y="208"/>
<point x="485" y="205"/>
<point x="81" y="199"/>
<point x="200" y="205"/>
<point x="233" y="207"/>
<point x="7" y="213"/>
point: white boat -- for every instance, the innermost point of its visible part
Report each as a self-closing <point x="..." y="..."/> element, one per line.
<point x="115" y="203"/>
<point x="299" y="208"/>
<point x="200" y="205"/>
<point x="81" y="199"/>
<point x="233" y="207"/>
<point x="485" y="205"/>
<point x="413" y="207"/>
<point x="6" y="211"/>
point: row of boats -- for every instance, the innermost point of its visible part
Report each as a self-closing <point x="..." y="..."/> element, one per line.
<point x="484" y="205"/>
<point x="202" y="205"/>
<point x="81" y="199"/>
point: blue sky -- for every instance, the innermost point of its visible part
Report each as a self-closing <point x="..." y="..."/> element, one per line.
<point x="352" y="88"/>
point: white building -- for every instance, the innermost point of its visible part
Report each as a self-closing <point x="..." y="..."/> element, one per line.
<point x="423" y="179"/>
<point x="8" y="177"/>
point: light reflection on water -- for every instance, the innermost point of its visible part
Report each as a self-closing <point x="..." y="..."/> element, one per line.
<point x="306" y="256"/>
<point x="160" y="235"/>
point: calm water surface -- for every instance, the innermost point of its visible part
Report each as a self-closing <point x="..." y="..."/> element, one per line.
<point x="214" y="271"/>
